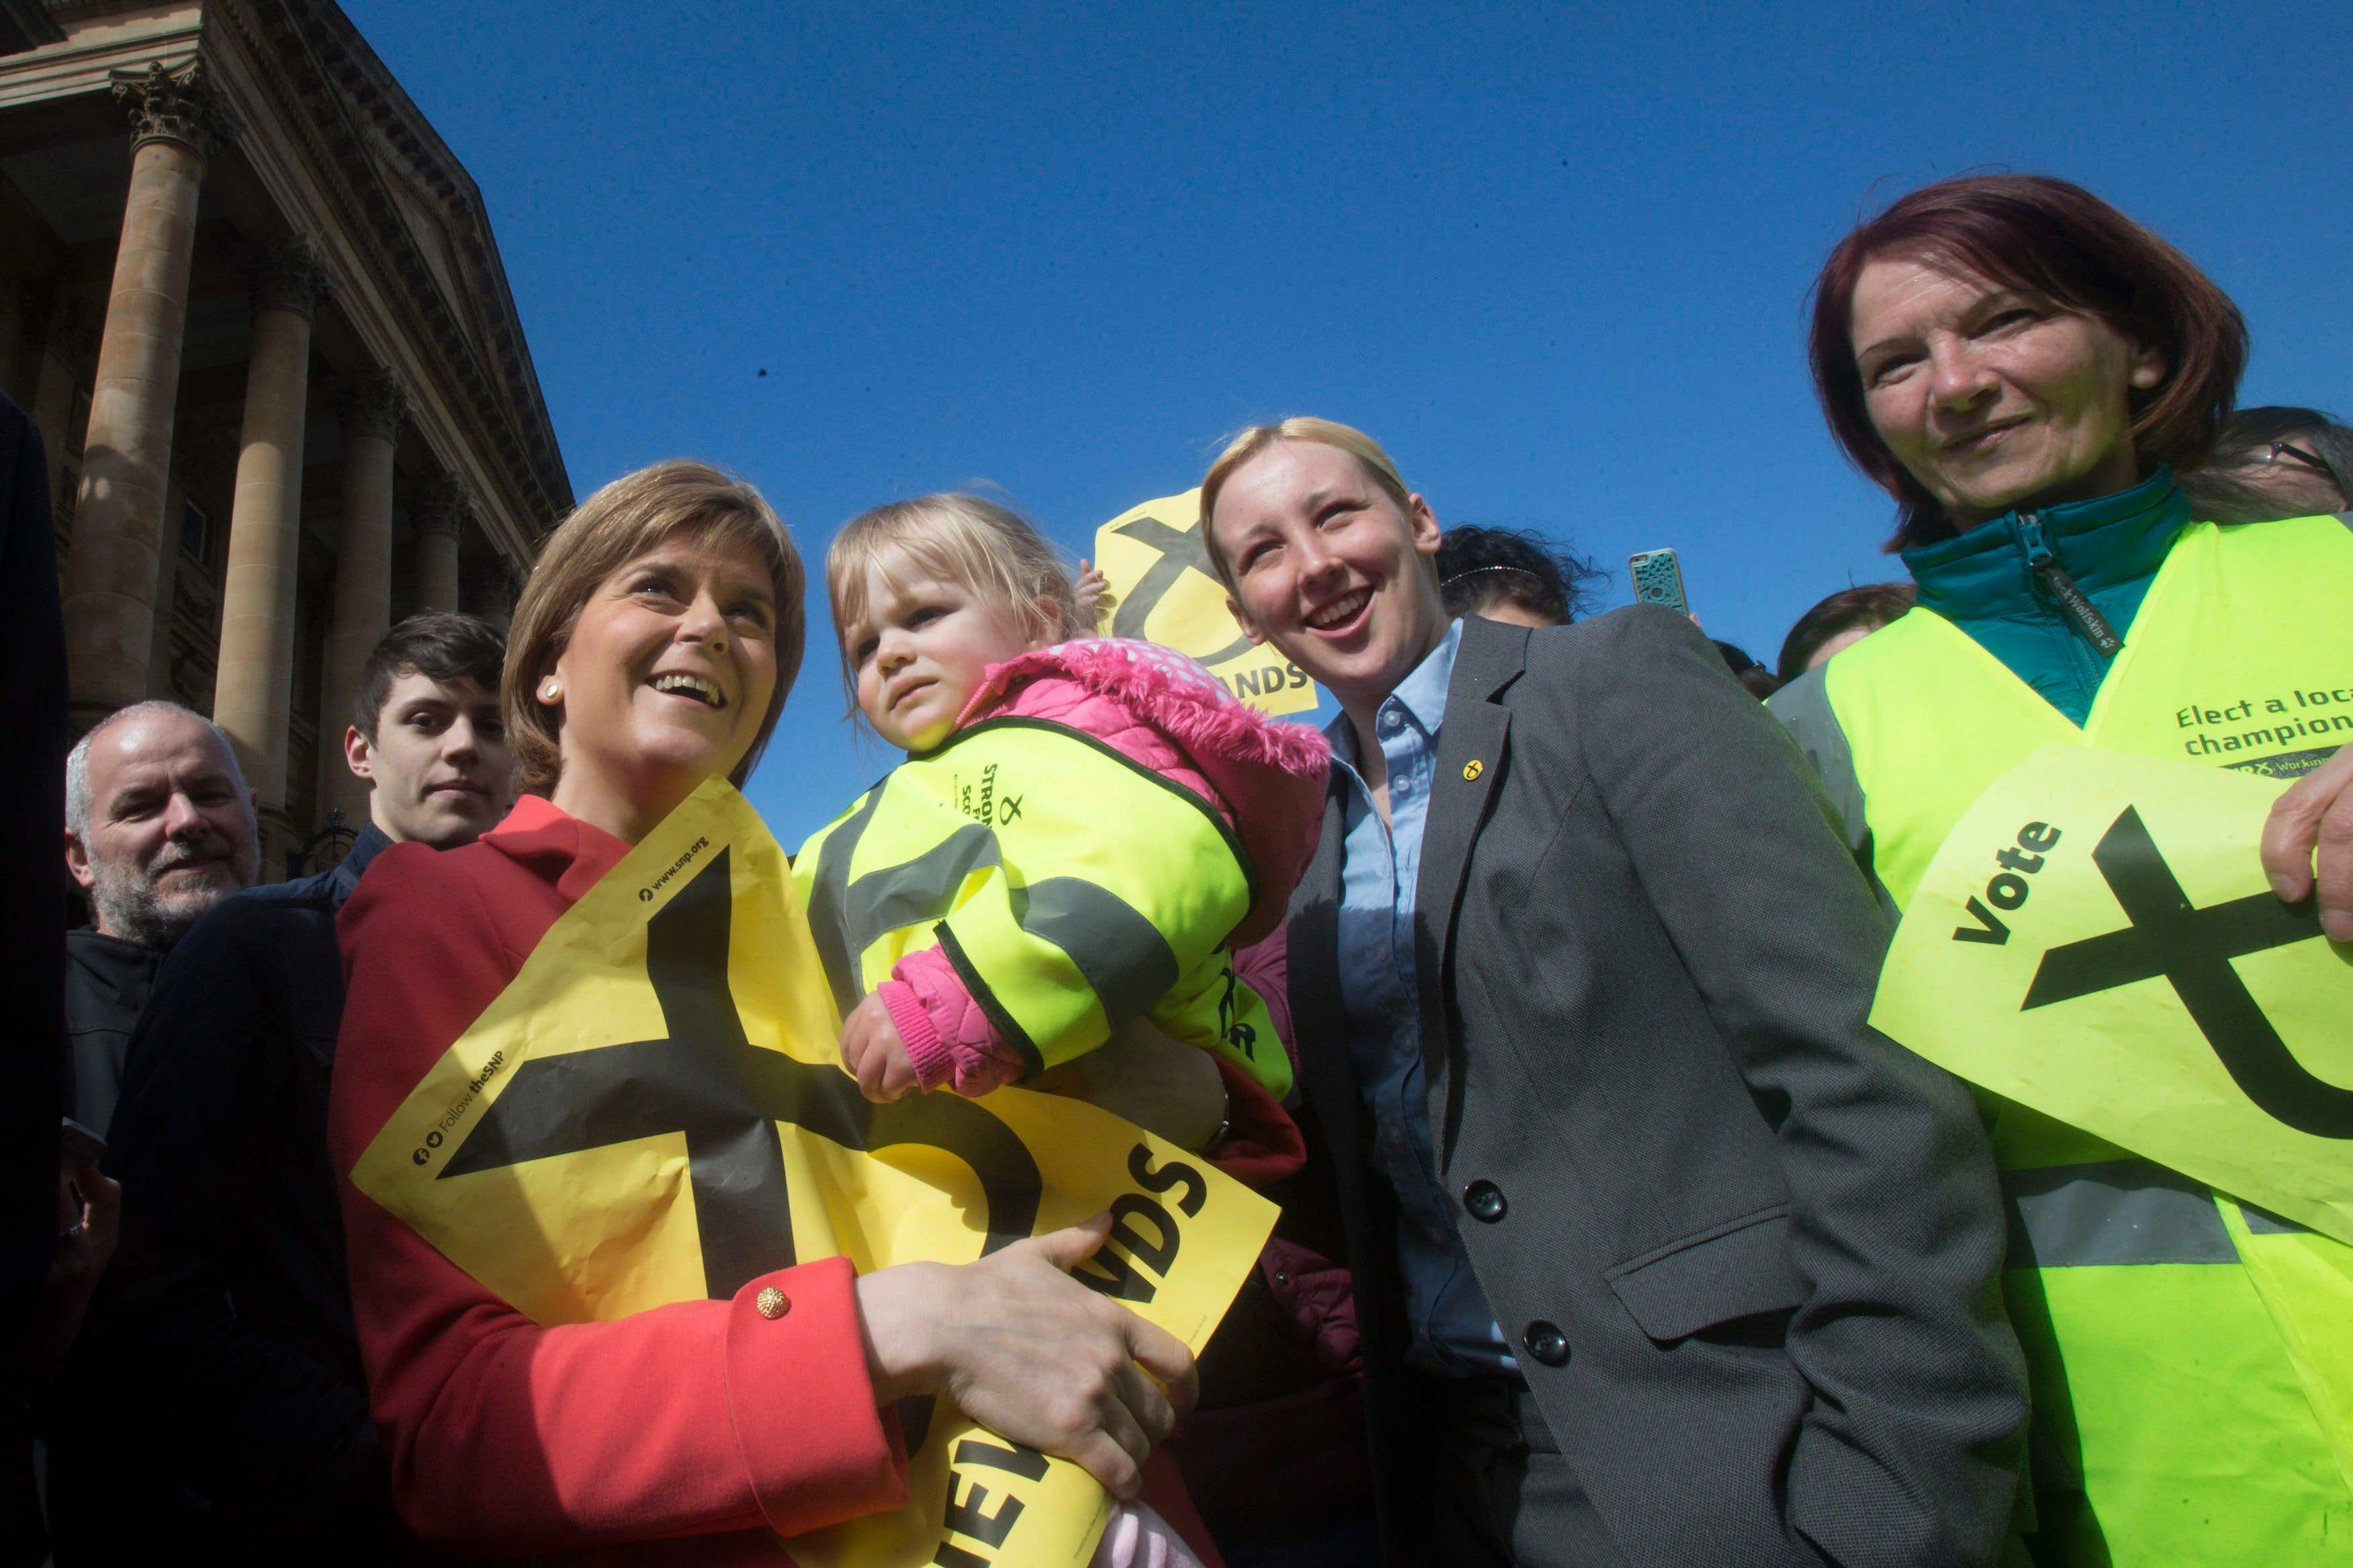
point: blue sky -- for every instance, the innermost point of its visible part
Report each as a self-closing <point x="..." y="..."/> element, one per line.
<point x="1555" y="257"/>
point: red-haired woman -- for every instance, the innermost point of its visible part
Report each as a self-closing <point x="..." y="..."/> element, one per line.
<point x="2025" y="370"/>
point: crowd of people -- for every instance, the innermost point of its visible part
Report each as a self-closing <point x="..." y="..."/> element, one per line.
<point x="1612" y="1230"/>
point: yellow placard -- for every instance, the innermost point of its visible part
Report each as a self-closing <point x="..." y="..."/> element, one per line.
<point x="1164" y="591"/>
<point x="2095" y="939"/>
<point x="654" y="1111"/>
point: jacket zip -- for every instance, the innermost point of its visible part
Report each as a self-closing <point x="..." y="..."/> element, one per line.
<point x="2074" y="607"/>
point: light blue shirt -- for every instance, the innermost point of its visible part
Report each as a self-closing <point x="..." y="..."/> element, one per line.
<point x="1453" y="1327"/>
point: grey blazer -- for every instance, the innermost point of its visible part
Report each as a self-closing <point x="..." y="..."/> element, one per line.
<point x="1746" y="1246"/>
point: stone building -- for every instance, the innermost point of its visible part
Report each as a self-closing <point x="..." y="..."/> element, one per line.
<point x="254" y="305"/>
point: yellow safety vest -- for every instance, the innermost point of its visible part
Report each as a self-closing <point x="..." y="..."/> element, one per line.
<point x="2192" y="1356"/>
<point x="1073" y="891"/>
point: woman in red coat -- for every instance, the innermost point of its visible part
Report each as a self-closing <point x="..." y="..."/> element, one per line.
<point x="652" y="650"/>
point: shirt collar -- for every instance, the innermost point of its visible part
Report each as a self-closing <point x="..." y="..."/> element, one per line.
<point x="1421" y="695"/>
<point x="355" y="863"/>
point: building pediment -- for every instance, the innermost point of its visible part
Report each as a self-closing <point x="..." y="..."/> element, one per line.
<point x="404" y="199"/>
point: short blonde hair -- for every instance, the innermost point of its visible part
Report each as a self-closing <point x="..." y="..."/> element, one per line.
<point x="636" y="513"/>
<point x="1298" y="427"/>
<point x="956" y="538"/>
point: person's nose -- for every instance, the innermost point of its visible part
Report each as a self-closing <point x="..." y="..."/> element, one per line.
<point x="895" y="651"/>
<point x="1316" y="563"/>
<point x="1957" y="376"/>
<point x="704" y="622"/>
<point x="183" y="818"/>
<point x="459" y="742"/>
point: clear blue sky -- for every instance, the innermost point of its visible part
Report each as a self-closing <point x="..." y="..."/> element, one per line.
<point x="1555" y="257"/>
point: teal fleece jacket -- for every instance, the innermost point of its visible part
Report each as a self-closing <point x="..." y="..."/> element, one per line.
<point x="1983" y="582"/>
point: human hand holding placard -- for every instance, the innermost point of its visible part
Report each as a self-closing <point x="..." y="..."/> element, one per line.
<point x="592" y="1147"/>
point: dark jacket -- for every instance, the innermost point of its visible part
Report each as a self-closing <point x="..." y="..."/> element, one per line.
<point x="32" y="930"/>
<point x="219" y="1360"/>
<point x="1744" y="1246"/>
<point x="108" y="982"/>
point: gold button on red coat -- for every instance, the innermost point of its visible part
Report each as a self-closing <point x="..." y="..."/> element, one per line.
<point x="772" y="1302"/>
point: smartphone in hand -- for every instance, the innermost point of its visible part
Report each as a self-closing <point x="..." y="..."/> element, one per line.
<point x="1658" y="578"/>
<point x="78" y="1149"/>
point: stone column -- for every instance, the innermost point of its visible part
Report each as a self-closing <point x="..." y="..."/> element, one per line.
<point x="362" y="607"/>
<point x="252" y="697"/>
<point x="437" y="547"/>
<point x="109" y="601"/>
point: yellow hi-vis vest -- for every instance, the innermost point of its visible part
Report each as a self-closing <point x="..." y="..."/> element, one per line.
<point x="2191" y="1355"/>
<point x="1073" y="890"/>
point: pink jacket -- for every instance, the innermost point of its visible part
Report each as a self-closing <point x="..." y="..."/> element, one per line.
<point x="1162" y="711"/>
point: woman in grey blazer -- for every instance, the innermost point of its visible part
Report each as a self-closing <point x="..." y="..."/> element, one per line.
<point x="1663" y="1256"/>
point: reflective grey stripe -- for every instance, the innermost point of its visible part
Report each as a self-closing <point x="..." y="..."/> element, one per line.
<point x="916" y="891"/>
<point x="1129" y="965"/>
<point x="2113" y="1212"/>
<point x="1804" y="708"/>
<point x="828" y="893"/>
<point x="2262" y="1222"/>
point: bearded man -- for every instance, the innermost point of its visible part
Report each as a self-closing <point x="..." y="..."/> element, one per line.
<point x="160" y="826"/>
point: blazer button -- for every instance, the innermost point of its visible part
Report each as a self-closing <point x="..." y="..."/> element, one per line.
<point x="772" y="1303"/>
<point x="1485" y="1201"/>
<point x="1547" y="1342"/>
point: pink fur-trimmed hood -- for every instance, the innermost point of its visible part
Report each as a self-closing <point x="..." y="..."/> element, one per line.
<point x="1163" y="712"/>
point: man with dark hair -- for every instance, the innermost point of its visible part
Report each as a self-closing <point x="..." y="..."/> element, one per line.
<point x="1839" y="621"/>
<point x="218" y="1381"/>
<point x="1513" y="576"/>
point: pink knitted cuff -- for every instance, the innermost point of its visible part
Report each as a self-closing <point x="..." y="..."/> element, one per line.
<point x="926" y="1052"/>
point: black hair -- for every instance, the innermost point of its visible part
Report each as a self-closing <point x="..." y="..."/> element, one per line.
<point x="1479" y="567"/>
<point x="1870" y="606"/>
<point x="441" y="645"/>
<point x="2219" y="491"/>
<point x="1753" y="677"/>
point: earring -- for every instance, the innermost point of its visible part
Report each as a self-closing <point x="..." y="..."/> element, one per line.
<point x="550" y="690"/>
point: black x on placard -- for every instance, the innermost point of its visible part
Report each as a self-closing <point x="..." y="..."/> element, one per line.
<point x="1179" y="549"/>
<point x="705" y="1078"/>
<point x="2192" y="948"/>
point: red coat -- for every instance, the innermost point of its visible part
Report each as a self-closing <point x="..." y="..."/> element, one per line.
<point x="696" y="1419"/>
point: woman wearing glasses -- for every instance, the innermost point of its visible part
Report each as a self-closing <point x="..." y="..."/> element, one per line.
<point x="2274" y="463"/>
<point x="2025" y="371"/>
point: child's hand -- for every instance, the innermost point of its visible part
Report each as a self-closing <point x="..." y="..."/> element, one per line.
<point x="1094" y="596"/>
<point x="875" y="1055"/>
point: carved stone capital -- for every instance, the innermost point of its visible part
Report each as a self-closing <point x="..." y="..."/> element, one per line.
<point x="444" y="505"/>
<point x="290" y="277"/>
<point x="375" y="405"/>
<point x="177" y="105"/>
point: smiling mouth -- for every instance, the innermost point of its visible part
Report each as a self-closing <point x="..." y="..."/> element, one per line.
<point x="1340" y="611"/>
<point x="1978" y="440"/>
<point x="693" y="687"/>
